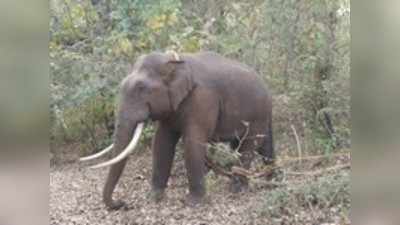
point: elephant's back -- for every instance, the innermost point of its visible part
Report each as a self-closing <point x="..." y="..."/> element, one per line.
<point x="214" y="70"/>
<point x="243" y="94"/>
<point x="220" y="65"/>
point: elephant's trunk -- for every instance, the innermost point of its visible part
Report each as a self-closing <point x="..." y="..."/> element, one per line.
<point x="129" y="126"/>
<point x="123" y="145"/>
<point x="112" y="180"/>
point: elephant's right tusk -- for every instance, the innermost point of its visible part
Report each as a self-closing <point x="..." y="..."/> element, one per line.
<point x="126" y="151"/>
<point x="94" y="156"/>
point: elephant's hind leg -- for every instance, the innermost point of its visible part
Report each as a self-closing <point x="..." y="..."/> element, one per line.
<point x="267" y="148"/>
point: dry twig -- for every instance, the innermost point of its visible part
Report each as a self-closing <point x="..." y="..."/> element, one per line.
<point x="321" y="171"/>
<point x="241" y="140"/>
<point x="268" y="170"/>
<point x="299" y="151"/>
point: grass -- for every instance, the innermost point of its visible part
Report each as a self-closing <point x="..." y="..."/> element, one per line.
<point x="325" y="199"/>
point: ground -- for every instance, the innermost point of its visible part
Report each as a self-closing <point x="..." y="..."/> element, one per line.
<point x="75" y="198"/>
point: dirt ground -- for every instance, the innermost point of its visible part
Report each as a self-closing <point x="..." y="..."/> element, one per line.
<point x="75" y="198"/>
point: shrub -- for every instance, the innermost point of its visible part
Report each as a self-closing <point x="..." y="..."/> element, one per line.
<point x="325" y="197"/>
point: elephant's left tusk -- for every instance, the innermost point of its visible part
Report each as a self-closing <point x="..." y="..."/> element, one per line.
<point x="94" y="156"/>
<point x="126" y="151"/>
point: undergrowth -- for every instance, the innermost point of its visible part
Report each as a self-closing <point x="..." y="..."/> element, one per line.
<point x="325" y="199"/>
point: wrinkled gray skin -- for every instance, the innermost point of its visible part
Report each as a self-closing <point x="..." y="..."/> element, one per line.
<point x="201" y="98"/>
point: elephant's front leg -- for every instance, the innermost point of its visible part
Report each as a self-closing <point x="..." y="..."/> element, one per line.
<point x="195" y="144"/>
<point x="164" y="143"/>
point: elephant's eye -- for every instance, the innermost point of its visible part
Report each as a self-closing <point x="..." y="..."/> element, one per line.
<point x="140" y="87"/>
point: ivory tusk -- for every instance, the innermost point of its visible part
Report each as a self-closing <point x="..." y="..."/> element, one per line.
<point x="96" y="155"/>
<point x="126" y="151"/>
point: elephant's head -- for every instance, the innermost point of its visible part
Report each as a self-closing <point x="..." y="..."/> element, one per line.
<point x="155" y="87"/>
<point x="153" y="90"/>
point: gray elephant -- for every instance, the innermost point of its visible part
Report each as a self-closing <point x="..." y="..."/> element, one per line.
<point x="200" y="98"/>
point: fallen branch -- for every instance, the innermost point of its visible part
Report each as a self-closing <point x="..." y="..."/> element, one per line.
<point x="223" y="161"/>
<point x="217" y="169"/>
<point x="268" y="170"/>
<point x="321" y="171"/>
<point x="315" y="157"/>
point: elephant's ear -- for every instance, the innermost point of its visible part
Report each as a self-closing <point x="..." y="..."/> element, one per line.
<point x="179" y="79"/>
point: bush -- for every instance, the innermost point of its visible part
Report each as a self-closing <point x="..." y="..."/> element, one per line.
<point x="325" y="198"/>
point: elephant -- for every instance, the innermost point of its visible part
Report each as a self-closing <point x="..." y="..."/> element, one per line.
<point x="197" y="97"/>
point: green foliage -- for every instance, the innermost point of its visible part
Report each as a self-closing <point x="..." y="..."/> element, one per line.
<point x="73" y="22"/>
<point x="222" y="155"/>
<point x="300" y="48"/>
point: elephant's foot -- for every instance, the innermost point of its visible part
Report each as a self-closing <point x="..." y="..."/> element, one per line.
<point x="238" y="184"/>
<point x="156" y="195"/>
<point x="115" y="205"/>
<point x="195" y="200"/>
